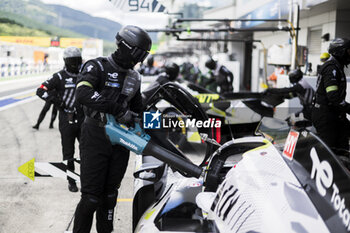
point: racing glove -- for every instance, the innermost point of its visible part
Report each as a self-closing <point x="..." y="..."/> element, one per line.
<point x="50" y="96"/>
<point x="114" y="108"/>
<point x="59" y="104"/>
<point x="127" y="117"/>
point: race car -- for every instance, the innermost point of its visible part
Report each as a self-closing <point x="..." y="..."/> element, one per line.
<point x="177" y="105"/>
<point x="252" y="186"/>
<point x="240" y="113"/>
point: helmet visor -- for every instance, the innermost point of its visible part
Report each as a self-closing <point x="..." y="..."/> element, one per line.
<point x="73" y="64"/>
<point x="139" y="55"/>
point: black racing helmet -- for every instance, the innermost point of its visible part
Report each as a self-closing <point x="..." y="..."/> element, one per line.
<point x="172" y="70"/>
<point x="295" y="76"/>
<point x="150" y="61"/>
<point x="72" y="59"/>
<point x="339" y="47"/>
<point x="210" y="64"/>
<point x="134" y="41"/>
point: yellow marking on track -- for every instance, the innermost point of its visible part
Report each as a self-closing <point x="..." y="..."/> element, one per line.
<point x="25" y="96"/>
<point x="124" y="200"/>
<point x="27" y="169"/>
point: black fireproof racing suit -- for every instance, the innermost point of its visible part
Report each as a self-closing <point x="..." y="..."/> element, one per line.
<point x="330" y="108"/>
<point x="302" y="90"/>
<point x="103" y="165"/>
<point x="223" y="78"/>
<point x="60" y="90"/>
<point x="43" y="112"/>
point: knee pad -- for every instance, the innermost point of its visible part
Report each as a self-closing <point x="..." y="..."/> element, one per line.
<point x="89" y="203"/>
<point x="110" y="200"/>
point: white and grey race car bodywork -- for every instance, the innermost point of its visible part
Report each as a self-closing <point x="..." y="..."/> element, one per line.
<point x="249" y="184"/>
<point x="302" y="189"/>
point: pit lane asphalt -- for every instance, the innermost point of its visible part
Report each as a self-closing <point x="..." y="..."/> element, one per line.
<point x="44" y="205"/>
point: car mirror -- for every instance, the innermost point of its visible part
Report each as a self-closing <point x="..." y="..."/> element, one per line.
<point x="149" y="172"/>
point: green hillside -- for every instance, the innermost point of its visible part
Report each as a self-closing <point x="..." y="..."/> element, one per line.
<point x="58" y="19"/>
<point x="36" y="26"/>
<point x="34" y="18"/>
<point x="16" y="30"/>
<point x="10" y="27"/>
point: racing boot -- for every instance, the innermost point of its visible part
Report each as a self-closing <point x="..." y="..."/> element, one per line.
<point x="72" y="186"/>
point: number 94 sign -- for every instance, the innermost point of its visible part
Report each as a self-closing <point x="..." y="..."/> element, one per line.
<point x="139" y="5"/>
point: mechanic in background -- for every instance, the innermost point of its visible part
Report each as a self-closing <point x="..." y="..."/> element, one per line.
<point x="170" y="75"/>
<point x="42" y="115"/>
<point x="220" y="75"/>
<point x="300" y="89"/>
<point x="71" y="114"/>
<point x="107" y="85"/>
<point x="191" y="72"/>
<point x="323" y="58"/>
<point x="149" y="69"/>
<point x="330" y="108"/>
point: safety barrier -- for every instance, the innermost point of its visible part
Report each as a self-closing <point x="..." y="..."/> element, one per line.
<point x="19" y="69"/>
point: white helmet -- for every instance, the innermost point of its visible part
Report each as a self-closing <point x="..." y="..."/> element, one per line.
<point x="71" y="52"/>
<point x="72" y="59"/>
